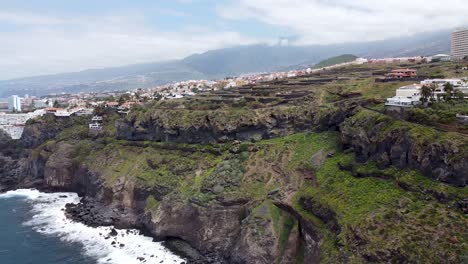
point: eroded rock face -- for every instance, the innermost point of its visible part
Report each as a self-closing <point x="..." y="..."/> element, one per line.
<point x="59" y="168"/>
<point x="310" y="236"/>
<point x="234" y="234"/>
<point x="438" y="159"/>
<point x="39" y="131"/>
<point x="214" y="127"/>
<point x="8" y="172"/>
<point x="207" y="229"/>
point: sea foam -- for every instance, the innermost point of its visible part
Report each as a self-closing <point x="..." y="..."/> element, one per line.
<point x="127" y="247"/>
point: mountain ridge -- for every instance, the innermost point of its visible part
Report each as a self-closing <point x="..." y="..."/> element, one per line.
<point x="216" y="64"/>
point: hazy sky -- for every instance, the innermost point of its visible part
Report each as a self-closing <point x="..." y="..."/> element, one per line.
<point x="51" y="36"/>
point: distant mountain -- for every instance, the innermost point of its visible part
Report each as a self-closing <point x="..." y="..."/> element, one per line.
<point x="335" y="60"/>
<point x="221" y="63"/>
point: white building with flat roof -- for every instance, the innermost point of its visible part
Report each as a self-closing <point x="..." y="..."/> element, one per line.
<point x="458" y="85"/>
<point x="460" y="43"/>
<point x="406" y="96"/>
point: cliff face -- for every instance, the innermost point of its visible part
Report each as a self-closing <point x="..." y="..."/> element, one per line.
<point x="26" y="162"/>
<point x="187" y="126"/>
<point x="440" y="156"/>
<point x="8" y="172"/>
<point x="9" y="167"/>
<point x="262" y="202"/>
<point x="38" y="131"/>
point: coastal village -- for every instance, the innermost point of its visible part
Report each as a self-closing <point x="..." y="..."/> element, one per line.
<point x="420" y="89"/>
<point x="304" y="132"/>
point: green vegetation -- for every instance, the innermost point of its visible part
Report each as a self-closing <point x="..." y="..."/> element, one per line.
<point x="365" y="205"/>
<point x="150" y="164"/>
<point x="439" y="112"/>
<point x="361" y="212"/>
<point x="335" y="60"/>
<point x="151" y="203"/>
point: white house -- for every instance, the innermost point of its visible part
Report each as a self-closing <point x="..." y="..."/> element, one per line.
<point x="458" y="84"/>
<point x="406" y="96"/>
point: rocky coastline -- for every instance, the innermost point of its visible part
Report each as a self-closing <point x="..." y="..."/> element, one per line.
<point x="225" y="229"/>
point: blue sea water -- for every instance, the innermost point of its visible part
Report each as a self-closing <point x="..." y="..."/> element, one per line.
<point x="21" y="244"/>
<point x="34" y="230"/>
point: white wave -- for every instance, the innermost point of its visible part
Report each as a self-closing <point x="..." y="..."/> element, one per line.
<point x="26" y="193"/>
<point x="128" y="247"/>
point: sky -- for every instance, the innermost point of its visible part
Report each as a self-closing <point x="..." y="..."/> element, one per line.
<point x="53" y="36"/>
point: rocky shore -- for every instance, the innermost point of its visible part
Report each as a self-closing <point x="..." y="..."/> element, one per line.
<point x="243" y="208"/>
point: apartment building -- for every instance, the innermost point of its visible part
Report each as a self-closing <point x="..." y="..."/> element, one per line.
<point x="460" y="43"/>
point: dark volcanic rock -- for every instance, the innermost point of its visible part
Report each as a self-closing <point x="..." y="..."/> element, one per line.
<point x="113" y="232"/>
<point x="38" y="131"/>
<point x="95" y="213"/>
<point x="370" y="138"/>
<point x="219" y="127"/>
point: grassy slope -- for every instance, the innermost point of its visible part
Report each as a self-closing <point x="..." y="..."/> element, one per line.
<point x="387" y="217"/>
<point x="383" y="215"/>
<point x="335" y="60"/>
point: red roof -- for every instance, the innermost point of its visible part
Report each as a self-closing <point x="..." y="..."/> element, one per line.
<point x="50" y="109"/>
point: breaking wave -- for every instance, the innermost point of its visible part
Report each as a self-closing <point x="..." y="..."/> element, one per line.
<point x="127" y="247"/>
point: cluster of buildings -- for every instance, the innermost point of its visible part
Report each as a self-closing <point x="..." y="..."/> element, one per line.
<point x="17" y="111"/>
<point x="184" y="88"/>
<point x="83" y="104"/>
<point x="189" y="88"/>
<point x="13" y="124"/>
<point x="410" y="95"/>
<point x="419" y="59"/>
<point x="19" y="104"/>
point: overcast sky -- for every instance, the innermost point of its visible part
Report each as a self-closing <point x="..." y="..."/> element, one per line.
<point x="52" y="36"/>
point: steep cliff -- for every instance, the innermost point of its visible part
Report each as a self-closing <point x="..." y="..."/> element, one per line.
<point x="9" y="167"/>
<point x="387" y="141"/>
<point x="38" y="131"/>
<point x="219" y="126"/>
<point x="263" y="202"/>
<point x="270" y="198"/>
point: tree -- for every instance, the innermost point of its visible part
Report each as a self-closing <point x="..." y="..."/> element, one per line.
<point x="448" y="89"/>
<point x="121" y="100"/>
<point x="459" y="95"/>
<point x="124" y="98"/>
<point x="56" y="104"/>
<point x="426" y="93"/>
<point x="433" y="90"/>
<point x="157" y="96"/>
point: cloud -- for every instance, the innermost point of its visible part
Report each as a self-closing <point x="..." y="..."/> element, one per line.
<point x="336" y="21"/>
<point x="60" y="44"/>
<point x="28" y="19"/>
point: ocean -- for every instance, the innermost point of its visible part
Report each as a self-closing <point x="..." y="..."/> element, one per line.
<point x="34" y="230"/>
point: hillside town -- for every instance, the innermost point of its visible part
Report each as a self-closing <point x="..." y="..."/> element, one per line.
<point x="15" y="110"/>
<point x="234" y="132"/>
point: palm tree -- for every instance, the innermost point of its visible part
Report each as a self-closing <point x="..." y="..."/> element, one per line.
<point x="426" y="92"/>
<point x="433" y="90"/>
<point x="448" y="89"/>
